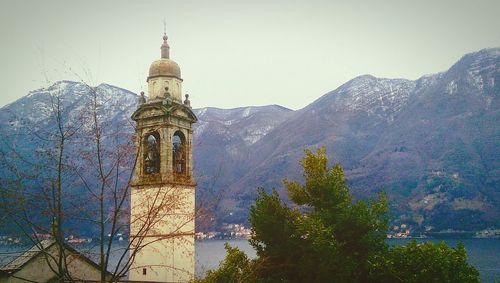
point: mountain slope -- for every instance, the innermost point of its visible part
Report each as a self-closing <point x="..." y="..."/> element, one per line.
<point x="222" y="139"/>
<point x="433" y="144"/>
<point x="222" y="136"/>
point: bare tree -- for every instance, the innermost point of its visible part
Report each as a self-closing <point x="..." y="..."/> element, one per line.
<point x="91" y="161"/>
<point x="113" y="167"/>
<point x="40" y="190"/>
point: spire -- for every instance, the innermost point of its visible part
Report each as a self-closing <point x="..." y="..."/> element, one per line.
<point x="165" y="49"/>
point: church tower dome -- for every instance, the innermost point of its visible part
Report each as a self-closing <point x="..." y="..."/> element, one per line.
<point x="165" y="76"/>
<point x="164" y="68"/>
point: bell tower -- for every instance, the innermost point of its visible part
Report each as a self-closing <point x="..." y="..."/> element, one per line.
<point x="163" y="187"/>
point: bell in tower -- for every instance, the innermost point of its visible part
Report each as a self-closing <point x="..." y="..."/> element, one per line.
<point x="163" y="187"/>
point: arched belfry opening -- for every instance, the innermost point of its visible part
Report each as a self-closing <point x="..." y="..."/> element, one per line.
<point x="151" y="145"/>
<point x="179" y="153"/>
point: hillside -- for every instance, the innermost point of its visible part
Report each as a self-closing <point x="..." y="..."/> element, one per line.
<point x="433" y="144"/>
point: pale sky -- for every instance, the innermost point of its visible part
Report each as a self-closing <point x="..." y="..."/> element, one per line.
<point x="238" y="53"/>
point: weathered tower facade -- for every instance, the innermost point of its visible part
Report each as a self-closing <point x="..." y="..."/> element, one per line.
<point x="163" y="187"/>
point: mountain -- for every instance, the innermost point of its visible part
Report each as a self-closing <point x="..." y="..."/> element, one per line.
<point x="433" y="144"/>
<point x="222" y="142"/>
<point x="222" y="136"/>
<point x="28" y="141"/>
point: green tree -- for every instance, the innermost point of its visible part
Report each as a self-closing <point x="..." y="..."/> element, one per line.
<point x="326" y="237"/>
<point x="426" y="262"/>
<point x="234" y="268"/>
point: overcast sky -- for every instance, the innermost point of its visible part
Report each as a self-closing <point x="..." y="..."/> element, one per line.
<point x="238" y="53"/>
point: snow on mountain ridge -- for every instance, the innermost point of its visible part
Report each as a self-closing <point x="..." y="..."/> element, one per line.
<point x="250" y="123"/>
<point x="385" y="97"/>
<point x="364" y="92"/>
<point x="239" y="112"/>
<point x="379" y="97"/>
<point x="242" y="121"/>
<point x="118" y="104"/>
<point x="37" y="107"/>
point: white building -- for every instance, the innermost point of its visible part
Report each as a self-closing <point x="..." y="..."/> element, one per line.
<point x="39" y="263"/>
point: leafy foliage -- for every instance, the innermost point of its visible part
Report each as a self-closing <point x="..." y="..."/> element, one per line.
<point x="427" y="262"/>
<point x="234" y="268"/>
<point x="328" y="238"/>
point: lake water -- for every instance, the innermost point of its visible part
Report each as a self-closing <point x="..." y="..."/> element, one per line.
<point x="484" y="254"/>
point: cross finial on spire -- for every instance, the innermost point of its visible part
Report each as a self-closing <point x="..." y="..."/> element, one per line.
<point x="165" y="49"/>
<point x="164" y="27"/>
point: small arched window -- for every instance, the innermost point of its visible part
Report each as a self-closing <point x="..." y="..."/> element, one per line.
<point x="152" y="153"/>
<point x="179" y="153"/>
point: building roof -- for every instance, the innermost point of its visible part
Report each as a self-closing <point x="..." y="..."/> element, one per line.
<point x="164" y="67"/>
<point x="30" y="254"/>
<point x="25" y="257"/>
